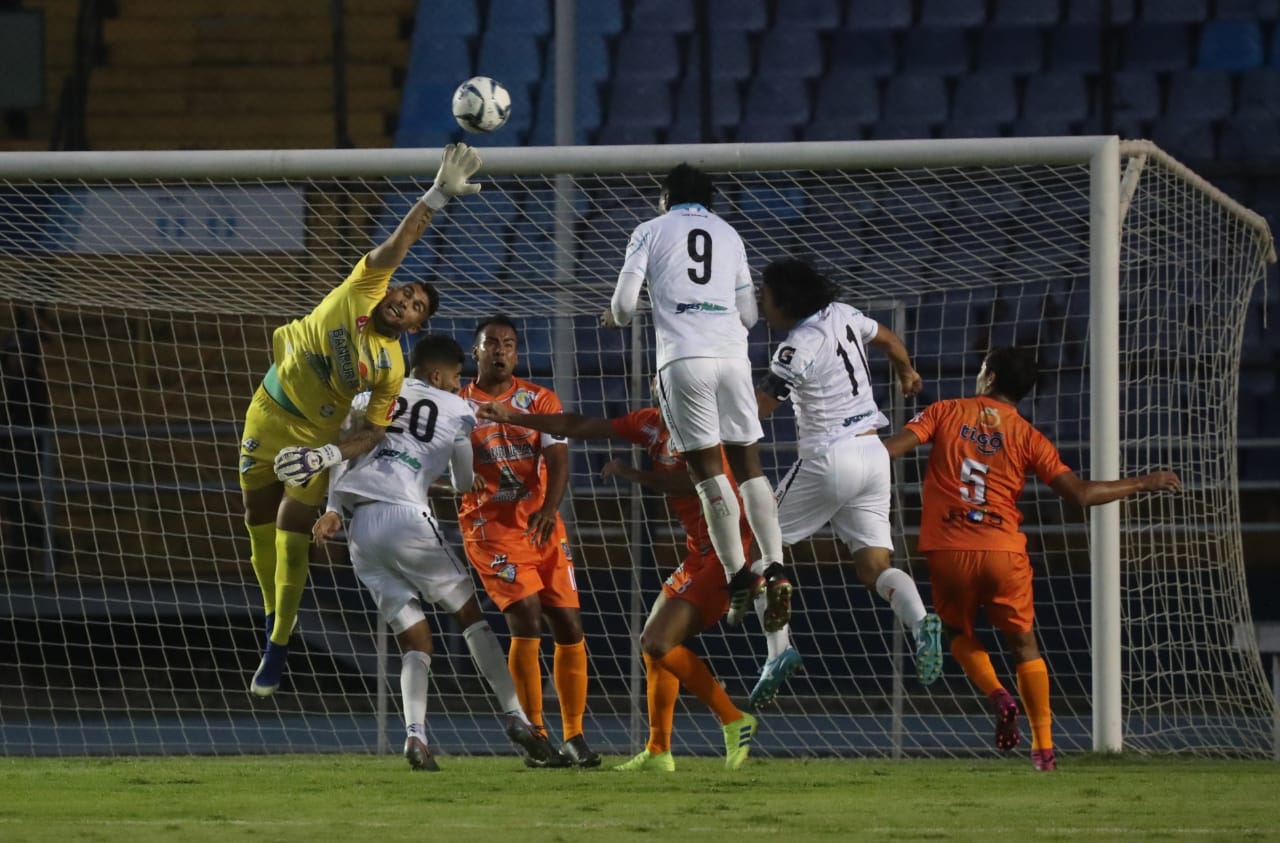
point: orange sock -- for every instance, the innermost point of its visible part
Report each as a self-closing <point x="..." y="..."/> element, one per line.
<point x="569" y="670"/>
<point x="976" y="663"/>
<point x="694" y="675"/>
<point x="525" y="663"/>
<point x="662" y="688"/>
<point x="1033" y="687"/>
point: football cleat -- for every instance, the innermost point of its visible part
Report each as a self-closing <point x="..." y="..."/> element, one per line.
<point x="929" y="650"/>
<point x="775" y="671"/>
<point x="737" y="740"/>
<point x="418" y="756"/>
<point x="534" y="745"/>
<point x="1006" y="709"/>
<point x="267" y="678"/>
<point x="743" y="589"/>
<point x="777" y="612"/>
<point x="547" y="756"/>
<point x="1043" y="761"/>
<point x="646" y="761"/>
<point x="579" y="754"/>
<point x="271" y="625"/>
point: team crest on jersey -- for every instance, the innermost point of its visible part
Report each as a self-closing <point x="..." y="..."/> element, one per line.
<point x="523" y="399"/>
<point x="361" y="321"/>
<point x="246" y="463"/>
<point x="384" y="360"/>
<point x="249" y="444"/>
<point x="502" y="569"/>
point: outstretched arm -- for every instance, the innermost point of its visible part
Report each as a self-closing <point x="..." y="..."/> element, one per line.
<point x="1095" y="492"/>
<point x="889" y="342"/>
<point x="675" y="483"/>
<point x="570" y="425"/>
<point x="458" y="163"/>
<point x="901" y="442"/>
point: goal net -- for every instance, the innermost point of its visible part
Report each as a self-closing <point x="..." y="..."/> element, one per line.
<point x="139" y="294"/>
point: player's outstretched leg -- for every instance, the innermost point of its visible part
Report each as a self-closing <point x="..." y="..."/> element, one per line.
<point x="1006" y="711"/>
<point x="267" y="677"/>
<point x="744" y="588"/>
<point x="775" y="672"/>
<point x="417" y="753"/>
<point x="929" y="649"/>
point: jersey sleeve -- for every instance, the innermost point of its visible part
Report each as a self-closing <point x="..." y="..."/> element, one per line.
<point x="369" y="282"/>
<point x="466" y="422"/>
<point x="863" y="325"/>
<point x="637" y="258"/>
<point x="549" y="403"/>
<point x="1046" y="462"/>
<point x="630" y="427"/>
<point x="925" y="423"/>
<point x="793" y="361"/>
<point x="382" y="399"/>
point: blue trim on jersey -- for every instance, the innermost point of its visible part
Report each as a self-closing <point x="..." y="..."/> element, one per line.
<point x="683" y="205"/>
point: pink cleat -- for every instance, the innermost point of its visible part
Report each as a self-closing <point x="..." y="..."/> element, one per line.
<point x="1043" y="760"/>
<point x="1006" y="709"/>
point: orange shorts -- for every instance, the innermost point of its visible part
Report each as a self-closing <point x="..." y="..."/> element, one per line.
<point x="700" y="580"/>
<point x="965" y="580"/>
<point x="513" y="568"/>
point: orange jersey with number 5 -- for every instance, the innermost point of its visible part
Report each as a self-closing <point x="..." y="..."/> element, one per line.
<point x="982" y="452"/>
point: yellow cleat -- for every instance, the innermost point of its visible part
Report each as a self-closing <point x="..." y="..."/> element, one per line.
<point x="737" y="740"/>
<point x="663" y="762"/>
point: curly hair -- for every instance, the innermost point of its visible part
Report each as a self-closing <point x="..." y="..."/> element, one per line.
<point x="797" y="288"/>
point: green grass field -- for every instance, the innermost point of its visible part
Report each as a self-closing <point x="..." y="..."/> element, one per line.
<point x="325" y="798"/>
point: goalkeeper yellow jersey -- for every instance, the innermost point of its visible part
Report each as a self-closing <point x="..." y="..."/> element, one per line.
<point x="328" y="356"/>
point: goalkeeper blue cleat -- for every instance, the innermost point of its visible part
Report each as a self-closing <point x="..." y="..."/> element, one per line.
<point x="929" y="650"/>
<point x="271" y="625"/>
<point x="775" y="671"/>
<point x="267" y="678"/>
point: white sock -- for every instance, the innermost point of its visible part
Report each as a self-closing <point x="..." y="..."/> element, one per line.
<point x="780" y="639"/>
<point x="900" y="590"/>
<point x="762" y="515"/>
<point x="415" y="676"/>
<point x="487" y="653"/>
<point x="720" y="508"/>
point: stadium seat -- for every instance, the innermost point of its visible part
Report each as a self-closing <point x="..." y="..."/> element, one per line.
<point x="1250" y="10"/>
<point x="438" y="60"/>
<point x="1230" y="45"/>
<point x="511" y="57"/>
<point x="1057" y="96"/>
<point x="1176" y="11"/>
<point x="1161" y="47"/>
<point x="1191" y="141"/>
<point x="900" y="130"/>
<point x="765" y="130"/>
<point x="1076" y="48"/>
<point x="661" y="16"/>
<point x="1027" y="12"/>
<point x="738" y="15"/>
<point x="1090" y="11"/>
<point x="730" y="55"/>
<point x="782" y="99"/>
<point x="878" y="14"/>
<point x="639" y="103"/>
<point x="1196" y="95"/>
<point x="425" y="116"/>
<point x="1044" y="126"/>
<point x="988" y="97"/>
<point x="1251" y="140"/>
<point x="520" y="16"/>
<point x="647" y="55"/>
<point x="791" y="52"/>
<point x="835" y="129"/>
<point x="726" y="110"/>
<point x="1011" y="49"/>
<point x="586" y="112"/>
<point x="599" y="17"/>
<point x="592" y="59"/>
<point x="848" y="96"/>
<point x="955" y="128"/>
<point x="1135" y="95"/>
<point x="1260" y="93"/>
<point x="809" y="14"/>
<point x="941" y="51"/>
<point x="953" y="13"/>
<point x="455" y="18"/>
<point x="623" y="135"/>
<point x="864" y="50"/>
<point x="915" y="99"/>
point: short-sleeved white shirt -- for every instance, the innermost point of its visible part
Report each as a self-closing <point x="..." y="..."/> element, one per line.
<point x="823" y="361"/>
<point x="694" y="263"/>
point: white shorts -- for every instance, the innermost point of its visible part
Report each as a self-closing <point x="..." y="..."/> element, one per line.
<point x="398" y="552"/>
<point x="707" y="401"/>
<point x="847" y="486"/>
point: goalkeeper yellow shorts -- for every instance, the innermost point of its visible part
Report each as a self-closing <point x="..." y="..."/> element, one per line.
<point x="268" y="427"/>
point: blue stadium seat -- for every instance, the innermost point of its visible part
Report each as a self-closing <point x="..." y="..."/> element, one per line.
<point x="592" y="60"/>
<point x="726" y="110"/>
<point x="1251" y="140"/>
<point x="586" y="112"/>
<point x="1196" y="95"/>
<point x="848" y="96"/>
<point x="647" y="55"/>
<point x="791" y="52"/>
<point x="599" y="17"/>
<point x="439" y="60"/>
<point x="619" y="135"/>
<point x="425" y="116"/>
<point x="915" y="98"/>
<point x="865" y="50"/>
<point x="1161" y="47"/>
<point x="1250" y="10"/>
<point x="1027" y="12"/>
<point x="835" y="129"/>
<point x="1260" y="93"/>
<point x="956" y="128"/>
<point x="1136" y="95"/>
<point x="1057" y="96"/>
<point x="739" y="15"/>
<point x="1076" y="48"/>
<point x="1176" y="11"/>
<point x="730" y="55"/>
<point x="1044" y="126"/>
<point x="878" y="14"/>
<point x="953" y="13"/>
<point x="1012" y="49"/>
<point x="510" y="57"/>
<point x="1090" y="11"/>
<point x="1273" y="54"/>
<point x="765" y="130"/>
<point x="809" y="14"/>
<point x="780" y="99"/>
<point x="639" y="103"/>
<point x="661" y="16"/>
<point x="445" y="18"/>
<point x="985" y="97"/>
<point x="1231" y="45"/>
<point x="941" y="51"/>
<point x="900" y="130"/>
<point x="520" y="16"/>
<point x="486" y="224"/>
<point x="1194" y="142"/>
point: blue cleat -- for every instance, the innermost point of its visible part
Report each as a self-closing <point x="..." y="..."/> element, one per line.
<point x="929" y="650"/>
<point x="775" y="671"/>
<point x="267" y="678"/>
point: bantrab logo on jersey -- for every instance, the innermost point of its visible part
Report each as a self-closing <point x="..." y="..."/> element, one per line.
<point x="700" y="307"/>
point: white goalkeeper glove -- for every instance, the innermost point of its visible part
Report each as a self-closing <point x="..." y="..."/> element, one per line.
<point x="459" y="163"/>
<point x="296" y="464"/>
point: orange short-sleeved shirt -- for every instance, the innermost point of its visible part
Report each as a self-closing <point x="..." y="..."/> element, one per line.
<point x="982" y="451"/>
<point x="509" y="458"/>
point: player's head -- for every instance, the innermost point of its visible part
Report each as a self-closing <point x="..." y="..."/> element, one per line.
<point x="684" y="184"/>
<point x="437" y="359"/>
<point x="1008" y="372"/>
<point x="496" y="349"/>
<point x="405" y="307"/>
<point x="791" y="290"/>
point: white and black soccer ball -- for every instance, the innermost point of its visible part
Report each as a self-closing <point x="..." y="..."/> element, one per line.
<point x="481" y="104"/>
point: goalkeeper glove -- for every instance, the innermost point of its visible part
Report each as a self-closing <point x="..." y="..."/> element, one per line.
<point x="296" y="464"/>
<point x="458" y="163"/>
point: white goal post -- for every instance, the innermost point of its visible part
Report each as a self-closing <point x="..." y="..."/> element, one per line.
<point x="141" y="289"/>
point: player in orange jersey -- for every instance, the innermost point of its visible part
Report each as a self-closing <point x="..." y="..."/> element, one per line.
<point x="982" y="451"/>
<point x="693" y="598"/>
<point x="513" y="534"/>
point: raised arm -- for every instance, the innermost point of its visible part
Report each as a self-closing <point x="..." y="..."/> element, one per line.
<point x="570" y="425"/>
<point x="1070" y="487"/>
<point x="889" y="342"/>
<point x="458" y="163"/>
<point x="677" y="484"/>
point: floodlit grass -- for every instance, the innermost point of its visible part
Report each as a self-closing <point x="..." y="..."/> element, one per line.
<point x="325" y="798"/>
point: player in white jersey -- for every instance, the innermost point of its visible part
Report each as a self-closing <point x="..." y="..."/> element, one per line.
<point x="841" y="476"/>
<point x="396" y="546"/>
<point x="703" y="304"/>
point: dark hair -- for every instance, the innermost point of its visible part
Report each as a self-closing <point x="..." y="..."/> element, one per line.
<point x="500" y="319"/>
<point x="433" y="296"/>
<point x="1014" y="369"/>
<point x="686" y="183"/>
<point x="435" y="348"/>
<point x="797" y="288"/>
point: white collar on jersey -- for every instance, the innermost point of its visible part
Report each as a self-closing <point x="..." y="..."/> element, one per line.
<point x="685" y="206"/>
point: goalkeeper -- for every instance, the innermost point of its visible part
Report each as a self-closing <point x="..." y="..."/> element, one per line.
<point x="348" y="344"/>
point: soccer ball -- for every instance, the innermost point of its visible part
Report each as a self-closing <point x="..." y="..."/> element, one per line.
<point x="481" y="104"/>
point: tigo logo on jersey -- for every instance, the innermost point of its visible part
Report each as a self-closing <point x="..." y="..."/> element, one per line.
<point x="988" y="443"/>
<point x="700" y="307"/>
<point x="523" y="399"/>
